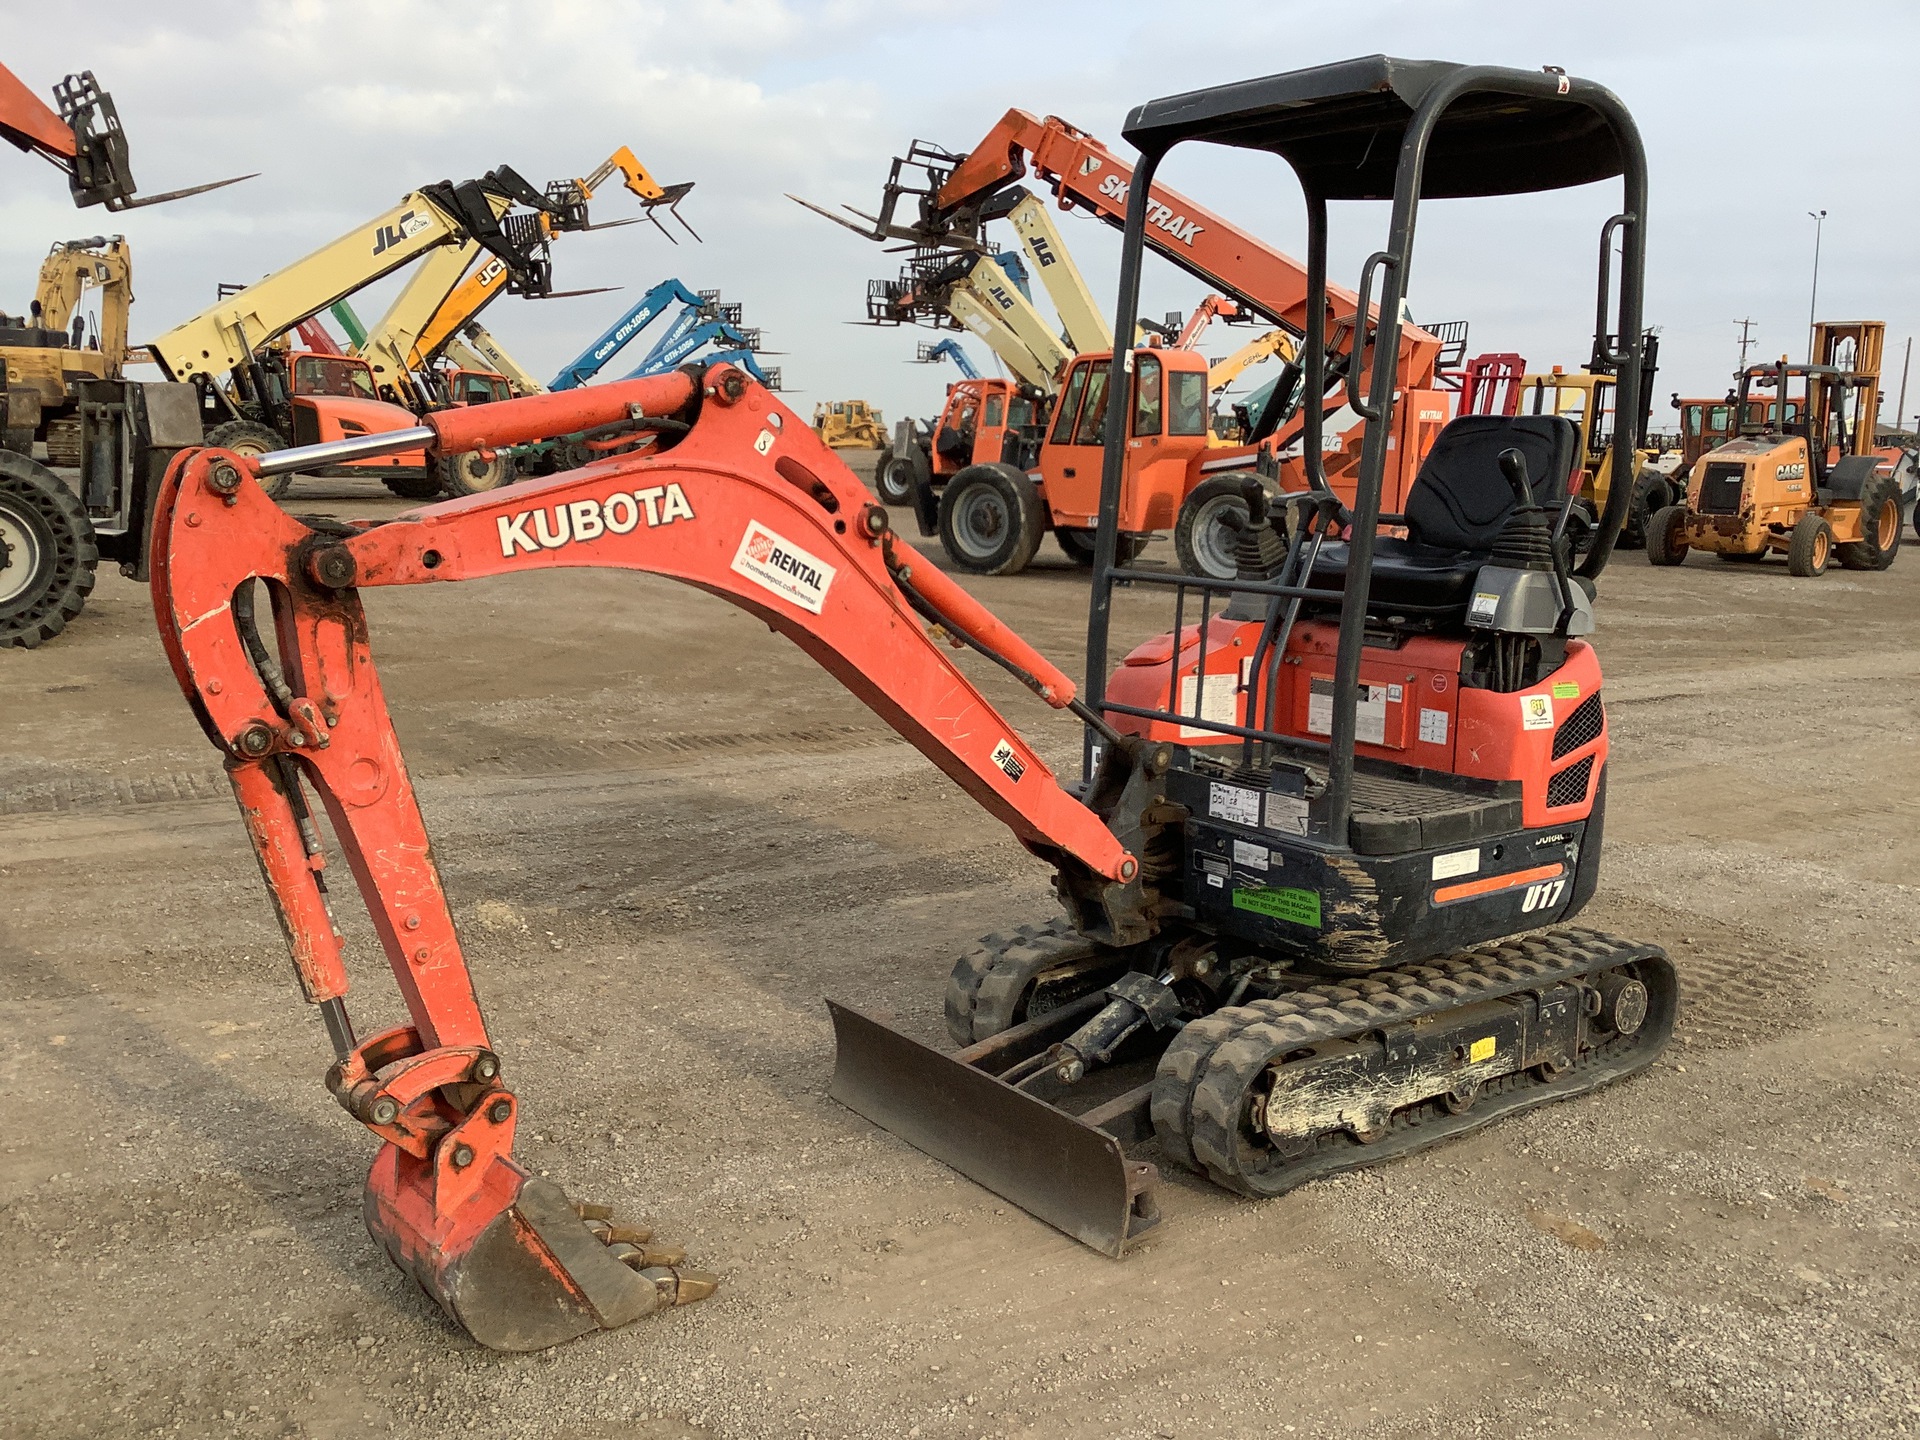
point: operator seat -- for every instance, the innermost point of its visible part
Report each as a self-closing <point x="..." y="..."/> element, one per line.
<point x="1458" y="504"/>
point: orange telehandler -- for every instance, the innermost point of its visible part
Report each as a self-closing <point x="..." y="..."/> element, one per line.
<point x="1314" y="884"/>
<point x="992" y="517"/>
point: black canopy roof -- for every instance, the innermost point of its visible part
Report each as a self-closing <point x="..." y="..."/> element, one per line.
<point x="1341" y="125"/>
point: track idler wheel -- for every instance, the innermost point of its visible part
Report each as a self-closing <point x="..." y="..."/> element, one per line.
<point x="517" y="1265"/>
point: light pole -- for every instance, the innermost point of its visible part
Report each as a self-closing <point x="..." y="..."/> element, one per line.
<point x="1819" y="218"/>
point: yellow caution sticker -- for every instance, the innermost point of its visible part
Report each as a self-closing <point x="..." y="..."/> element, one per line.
<point x="1566" y="690"/>
<point x="1481" y="1050"/>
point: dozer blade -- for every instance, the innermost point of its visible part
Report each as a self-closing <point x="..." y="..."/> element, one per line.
<point x="1050" y="1163"/>
<point x="517" y="1266"/>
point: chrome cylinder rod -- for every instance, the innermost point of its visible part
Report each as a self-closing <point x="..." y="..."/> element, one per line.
<point x="339" y="452"/>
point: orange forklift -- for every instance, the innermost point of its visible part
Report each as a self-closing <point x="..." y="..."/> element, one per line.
<point x="1808" y="484"/>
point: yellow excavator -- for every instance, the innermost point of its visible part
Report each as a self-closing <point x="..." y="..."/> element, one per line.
<point x="51" y="347"/>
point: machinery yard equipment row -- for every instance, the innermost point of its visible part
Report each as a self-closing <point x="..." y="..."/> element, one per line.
<point x="1802" y="476"/>
<point x="1315" y="884"/>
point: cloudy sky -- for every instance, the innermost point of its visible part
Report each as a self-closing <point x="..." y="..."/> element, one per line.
<point x="1754" y="114"/>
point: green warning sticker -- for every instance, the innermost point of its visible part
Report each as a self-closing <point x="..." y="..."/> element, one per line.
<point x="1299" y="907"/>
<point x="1565" y="690"/>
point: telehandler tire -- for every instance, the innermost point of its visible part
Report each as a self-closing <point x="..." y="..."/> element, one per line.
<point x="1204" y="543"/>
<point x="1812" y="546"/>
<point x="468" y="473"/>
<point x="1078" y="546"/>
<point x="893" y="478"/>
<point x="991" y="519"/>
<point x="48" y="556"/>
<point x="413" y="487"/>
<point x="1880" y="527"/>
<point x="244" y="437"/>
<point x="1650" y="496"/>
<point x="1664" y="545"/>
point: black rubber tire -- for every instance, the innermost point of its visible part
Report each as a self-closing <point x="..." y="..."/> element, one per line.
<point x="1880" y="525"/>
<point x="1812" y="546"/>
<point x="991" y="519"/>
<point x="1650" y="496"/>
<point x="413" y="487"/>
<point x="246" y="437"/>
<point x="468" y="474"/>
<point x="1078" y="546"/>
<point x="1197" y="542"/>
<point x="893" y="478"/>
<point x="53" y="542"/>
<point x="1664" y="545"/>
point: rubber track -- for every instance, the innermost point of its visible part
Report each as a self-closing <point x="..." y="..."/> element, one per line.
<point x="1022" y="953"/>
<point x="1212" y="1063"/>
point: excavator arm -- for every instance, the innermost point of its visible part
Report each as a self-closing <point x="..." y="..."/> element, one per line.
<point x="736" y="496"/>
<point x="74" y="267"/>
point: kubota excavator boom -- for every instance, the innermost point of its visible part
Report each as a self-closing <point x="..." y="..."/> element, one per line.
<point x="748" y="504"/>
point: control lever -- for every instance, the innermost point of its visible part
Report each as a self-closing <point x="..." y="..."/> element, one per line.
<point x="1513" y="465"/>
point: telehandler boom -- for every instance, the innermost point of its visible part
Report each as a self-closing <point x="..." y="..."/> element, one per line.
<point x="1325" y="819"/>
<point x="992" y="520"/>
<point x="84" y="139"/>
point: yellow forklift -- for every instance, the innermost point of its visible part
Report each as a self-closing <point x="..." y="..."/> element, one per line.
<point x="1801" y="478"/>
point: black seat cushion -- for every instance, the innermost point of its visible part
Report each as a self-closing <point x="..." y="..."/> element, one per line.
<point x="1456" y="510"/>
<point x="1461" y="499"/>
<point x="1424" y="578"/>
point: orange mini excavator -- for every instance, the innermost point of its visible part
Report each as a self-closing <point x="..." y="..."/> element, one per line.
<point x="1315" y="883"/>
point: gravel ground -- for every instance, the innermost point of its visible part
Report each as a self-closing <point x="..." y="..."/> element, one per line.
<point x="667" y="835"/>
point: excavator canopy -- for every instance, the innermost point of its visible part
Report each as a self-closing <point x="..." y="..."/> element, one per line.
<point x="1340" y="127"/>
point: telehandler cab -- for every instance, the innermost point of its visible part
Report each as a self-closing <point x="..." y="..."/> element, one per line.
<point x="1810" y="485"/>
<point x="1315" y="883"/>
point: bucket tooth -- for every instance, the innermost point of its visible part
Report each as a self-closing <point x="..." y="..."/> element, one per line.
<point x="517" y="1266"/>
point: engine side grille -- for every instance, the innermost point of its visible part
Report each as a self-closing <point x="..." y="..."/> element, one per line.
<point x="1720" y="489"/>
<point x="1581" y="727"/>
<point x="1569" y="787"/>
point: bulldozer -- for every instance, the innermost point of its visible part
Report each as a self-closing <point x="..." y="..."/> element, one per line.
<point x="849" y="425"/>
<point x="1316" y="879"/>
<point x="1802" y="476"/>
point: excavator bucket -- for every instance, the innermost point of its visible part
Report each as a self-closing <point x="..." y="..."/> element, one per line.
<point x="1056" y="1166"/>
<point x="519" y="1267"/>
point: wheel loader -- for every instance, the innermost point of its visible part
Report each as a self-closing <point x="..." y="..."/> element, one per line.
<point x="1315" y="883"/>
<point x="1802" y="477"/>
